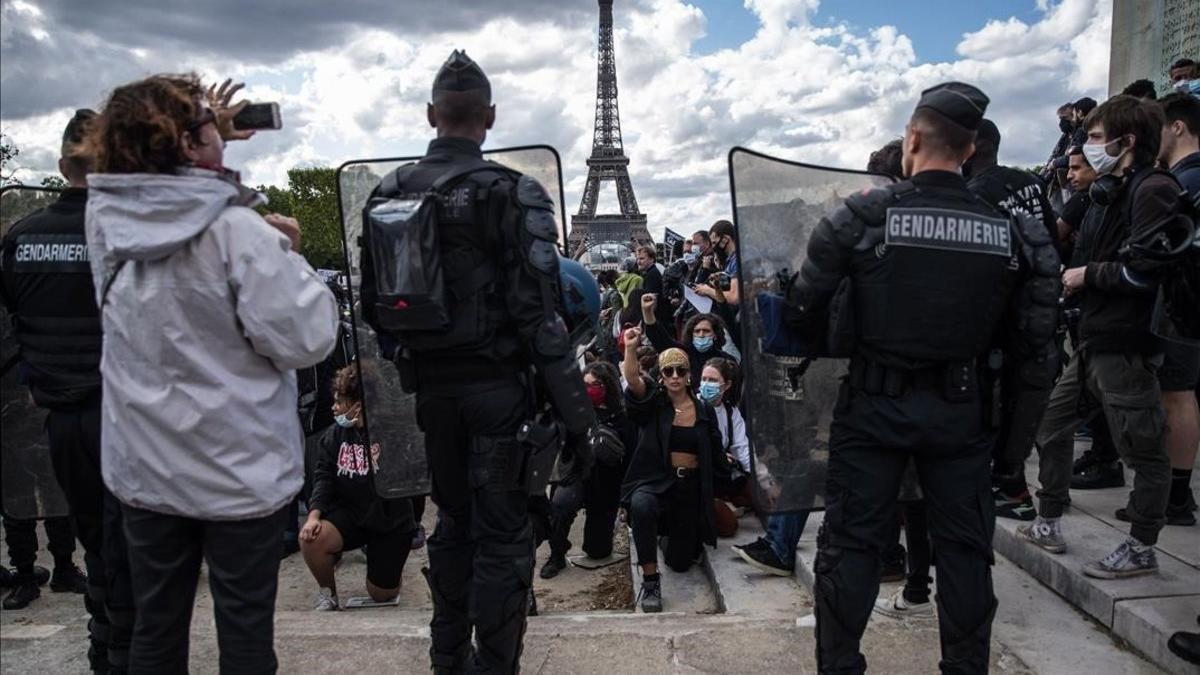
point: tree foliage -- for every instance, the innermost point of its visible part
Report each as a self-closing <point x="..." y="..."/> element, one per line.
<point x="311" y="198"/>
<point x="8" y="161"/>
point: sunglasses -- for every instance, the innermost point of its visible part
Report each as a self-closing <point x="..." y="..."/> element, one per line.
<point x="675" y="371"/>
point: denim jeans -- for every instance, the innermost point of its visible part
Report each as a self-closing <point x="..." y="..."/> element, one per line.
<point x="783" y="534"/>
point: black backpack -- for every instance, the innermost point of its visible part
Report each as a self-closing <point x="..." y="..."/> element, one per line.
<point x="1177" y="308"/>
<point x="414" y="303"/>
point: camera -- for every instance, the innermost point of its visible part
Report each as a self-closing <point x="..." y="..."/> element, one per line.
<point x="719" y="280"/>
<point x="673" y="278"/>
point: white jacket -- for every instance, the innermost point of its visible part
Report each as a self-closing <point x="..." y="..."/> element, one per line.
<point x="207" y="315"/>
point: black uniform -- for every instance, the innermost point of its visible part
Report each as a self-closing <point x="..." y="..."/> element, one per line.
<point x="1008" y="189"/>
<point x="934" y="271"/>
<point x="47" y="289"/>
<point x="473" y="396"/>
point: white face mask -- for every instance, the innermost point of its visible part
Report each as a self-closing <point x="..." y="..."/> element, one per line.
<point x="1097" y="155"/>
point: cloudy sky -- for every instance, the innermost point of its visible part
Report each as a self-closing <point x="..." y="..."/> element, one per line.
<point x="822" y="81"/>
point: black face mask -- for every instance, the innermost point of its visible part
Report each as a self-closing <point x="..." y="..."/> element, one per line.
<point x="1065" y="125"/>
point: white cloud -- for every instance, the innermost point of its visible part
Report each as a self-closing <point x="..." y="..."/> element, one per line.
<point x="825" y="94"/>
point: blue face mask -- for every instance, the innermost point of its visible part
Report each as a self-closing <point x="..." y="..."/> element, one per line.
<point x="710" y="391"/>
<point x="345" y="421"/>
<point x="703" y="344"/>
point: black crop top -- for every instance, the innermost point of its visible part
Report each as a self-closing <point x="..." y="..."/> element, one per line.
<point x="684" y="439"/>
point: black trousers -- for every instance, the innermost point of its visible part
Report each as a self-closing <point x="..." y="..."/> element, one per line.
<point x="599" y="495"/>
<point x="481" y="551"/>
<point x="920" y="555"/>
<point x="74" y="439"/>
<point x="243" y="574"/>
<point x="871" y="441"/>
<point x="674" y="513"/>
<point x="22" y="540"/>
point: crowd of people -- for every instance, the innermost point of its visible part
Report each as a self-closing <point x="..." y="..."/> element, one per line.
<point x="181" y="442"/>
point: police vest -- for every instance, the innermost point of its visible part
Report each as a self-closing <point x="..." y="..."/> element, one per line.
<point x="936" y="285"/>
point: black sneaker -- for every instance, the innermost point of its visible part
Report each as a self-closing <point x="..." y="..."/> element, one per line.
<point x="68" y="579"/>
<point x="554" y="565"/>
<point x="23" y="593"/>
<point x="757" y="545"/>
<point x="650" y="596"/>
<point x="1180" y="516"/>
<point x="763" y="557"/>
<point x="1014" y="506"/>
<point x="1099" y="476"/>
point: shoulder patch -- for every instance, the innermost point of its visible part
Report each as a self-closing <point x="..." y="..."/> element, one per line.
<point x="948" y="230"/>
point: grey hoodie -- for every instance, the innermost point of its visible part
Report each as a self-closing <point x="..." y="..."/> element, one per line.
<point x="206" y="313"/>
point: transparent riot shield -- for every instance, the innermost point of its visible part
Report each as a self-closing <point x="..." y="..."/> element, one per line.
<point x="28" y="487"/>
<point x="389" y="414"/>
<point x="788" y="401"/>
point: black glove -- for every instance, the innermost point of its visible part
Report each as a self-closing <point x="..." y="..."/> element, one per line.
<point x="576" y="460"/>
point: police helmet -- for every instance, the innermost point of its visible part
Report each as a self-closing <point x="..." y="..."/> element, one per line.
<point x="581" y="300"/>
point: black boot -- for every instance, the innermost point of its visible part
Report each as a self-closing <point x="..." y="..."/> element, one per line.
<point x="1186" y="646"/>
<point x="68" y="579"/>
<point x="554" y="565"/>
<point x="25" y="590"/>
<point x="651" y="594"/>
<point x="1099" y="476"/>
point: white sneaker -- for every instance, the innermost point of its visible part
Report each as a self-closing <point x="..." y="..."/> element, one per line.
<point x="897" y="607"/>
<point x="327" y="600"/>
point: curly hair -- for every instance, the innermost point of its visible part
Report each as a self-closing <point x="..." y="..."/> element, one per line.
<point x="346" y="385"/>
<point x="720" y="330"/>
<point x="606" y="374"/>
<point x="140" y="128"/>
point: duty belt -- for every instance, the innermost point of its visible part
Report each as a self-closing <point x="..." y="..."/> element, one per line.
<point x="956" y="381"/>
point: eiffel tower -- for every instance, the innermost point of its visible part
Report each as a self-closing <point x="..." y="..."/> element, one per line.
<point x="608" y="161"/>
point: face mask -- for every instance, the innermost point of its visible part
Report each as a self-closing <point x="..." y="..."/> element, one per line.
<point x="703" y="344"/>
<point x="710" y="391"/>
<point x="344" y="420"/>
<point x="1099" y="158"/>
<point x="597" y="393"/>
<point x="689" y="257"/>
<point x="1065" y="125"/>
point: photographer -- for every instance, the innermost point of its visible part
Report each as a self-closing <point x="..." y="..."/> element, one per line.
<point x="704" y="335"/>
<point x="723" y="286"/>
<point x="207" y="310"/>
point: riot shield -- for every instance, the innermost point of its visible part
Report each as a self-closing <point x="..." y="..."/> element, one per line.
<point x="28" y="487"/>
<point x="389" y="414"/>
<point x="788" y="401"/>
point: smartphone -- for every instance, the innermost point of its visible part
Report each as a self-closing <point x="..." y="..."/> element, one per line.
<point x="258" y="116"/>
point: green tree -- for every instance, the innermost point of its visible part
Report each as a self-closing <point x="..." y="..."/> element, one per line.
<point x="311" y="198"/>
<point x="56" y="182"/>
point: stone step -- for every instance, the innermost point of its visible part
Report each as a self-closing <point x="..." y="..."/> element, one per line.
<point x="746" y="590"/>
<point x="692" y="592"/>
<point x="1142" y="611"/>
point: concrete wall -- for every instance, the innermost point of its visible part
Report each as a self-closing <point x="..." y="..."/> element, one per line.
<point x="1149" y="35"/>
